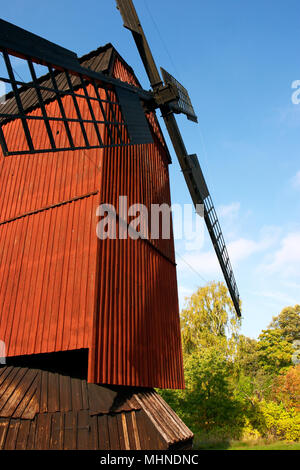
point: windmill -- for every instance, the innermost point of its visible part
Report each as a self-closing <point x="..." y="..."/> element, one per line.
<point x="90" y="326"/>
<point x="172" y="98"/>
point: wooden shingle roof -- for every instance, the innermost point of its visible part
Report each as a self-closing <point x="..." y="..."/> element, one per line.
<point x="45" y="410"/>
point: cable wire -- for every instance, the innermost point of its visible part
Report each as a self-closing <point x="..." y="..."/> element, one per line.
<point x="191" y="267"/>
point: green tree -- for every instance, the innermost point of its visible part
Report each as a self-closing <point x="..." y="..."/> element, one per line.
<point x="208" y="402"/>
<point x="251" y="388"/>
<point x="275" y="345"/>
<point x="288" y="321"/>
<point x="246" y="360"/>
<point x="274" y="351"/>
<point x="209" y="319"/>
<point x="236" y="386"/>
<point x="252" y="381"/>
<point x="210" y="333"/>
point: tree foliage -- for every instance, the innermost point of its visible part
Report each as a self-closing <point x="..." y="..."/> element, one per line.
<point x="287" y="388"/>
<point x="209" y="318"/>
<point x="208" y="400"/>
<point x="247" y="356"/>
<point x="288" y="323"/>
<point x="235" y="385"/>
<point x="274" y="351"/>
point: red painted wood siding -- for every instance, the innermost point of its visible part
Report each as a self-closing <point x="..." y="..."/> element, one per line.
<point x="60" y="287"/>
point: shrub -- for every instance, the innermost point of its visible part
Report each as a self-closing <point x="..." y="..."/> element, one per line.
<point x="278" y="421"/>
<point x="208" y="404"/>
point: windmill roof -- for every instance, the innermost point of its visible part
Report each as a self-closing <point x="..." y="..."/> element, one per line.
<point x="101" y="60"/>
<point x="55" y="411"/>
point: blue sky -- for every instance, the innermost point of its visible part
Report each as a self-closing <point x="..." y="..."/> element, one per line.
<point x="238" y="60"/>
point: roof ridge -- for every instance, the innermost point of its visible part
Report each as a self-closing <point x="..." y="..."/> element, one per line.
<point x="96" y="52"/>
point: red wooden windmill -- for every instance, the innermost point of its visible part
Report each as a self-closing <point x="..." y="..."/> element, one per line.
<point x="90" y="325"/>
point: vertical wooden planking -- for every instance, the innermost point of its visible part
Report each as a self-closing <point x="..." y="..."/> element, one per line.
<point x="53" y="270"/>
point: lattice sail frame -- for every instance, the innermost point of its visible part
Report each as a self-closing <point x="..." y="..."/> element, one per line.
<point x="29" y="102"/>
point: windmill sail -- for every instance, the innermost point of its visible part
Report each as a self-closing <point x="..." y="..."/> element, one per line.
<point x="64" y="76"/>
<point x="171" y="98"/>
